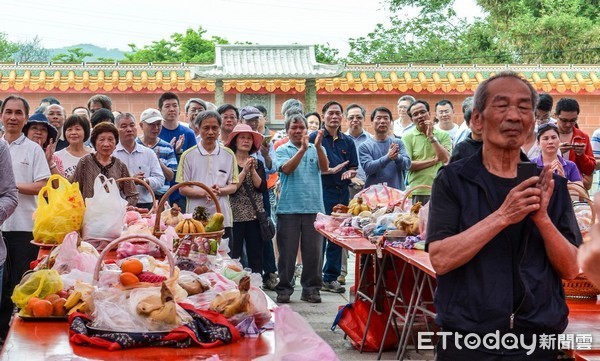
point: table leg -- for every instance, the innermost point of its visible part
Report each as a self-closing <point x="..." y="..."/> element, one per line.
<point x="420" y="279"/>
<point x="397" y="297"/>
<point x="378" y="285"/>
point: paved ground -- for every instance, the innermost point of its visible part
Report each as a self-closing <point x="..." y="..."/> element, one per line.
<point x="320" y="316"/>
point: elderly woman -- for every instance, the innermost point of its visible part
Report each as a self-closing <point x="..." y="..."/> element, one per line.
<point x="39" y="130"/>
<point x="105" y="137"/>
<point x="548" y="141"/>
<point x="244" y="142"/>
<point x="76" y="131"/>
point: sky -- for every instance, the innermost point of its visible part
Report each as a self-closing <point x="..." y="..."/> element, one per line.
<point x="114" y="24"/>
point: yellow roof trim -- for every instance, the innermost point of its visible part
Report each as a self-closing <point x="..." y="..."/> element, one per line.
<point x="158" y="78"/>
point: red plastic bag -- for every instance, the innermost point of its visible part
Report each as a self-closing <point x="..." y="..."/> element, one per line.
<point x="352" y="319"/>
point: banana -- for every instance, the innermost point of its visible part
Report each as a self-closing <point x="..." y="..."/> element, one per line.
<point x="80" y="307"/>
<point x="199" y="226"/>
<point x="179" y="227"/>
<point x="73" y="300"/>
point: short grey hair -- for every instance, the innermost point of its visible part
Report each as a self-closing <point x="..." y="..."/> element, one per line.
<point x="206" y="115"/>
<point x="124" y="116"/>
<point x="293" y="116"/>
<point x="290" y="103"/>
<point x="481" y="93"/>
<point x="408" y="98"/>
<point x="197" y="101"/>
<point x="211" y="106"/>
<point x="62" y="109"/>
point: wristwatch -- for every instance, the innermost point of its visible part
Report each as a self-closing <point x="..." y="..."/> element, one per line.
<point x="433" y="139"/>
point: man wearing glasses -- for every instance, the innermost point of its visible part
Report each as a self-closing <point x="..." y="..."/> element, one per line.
<point x="428" y="148"/>
<point x="543" y="110"/>
<point x="444" y="110"/>
<point x="574" y="144"/>
<point x="192" y="108"/>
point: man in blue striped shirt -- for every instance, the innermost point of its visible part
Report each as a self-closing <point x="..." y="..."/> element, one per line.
<point x="151" y="124"/>
<point x="300" y="164"/>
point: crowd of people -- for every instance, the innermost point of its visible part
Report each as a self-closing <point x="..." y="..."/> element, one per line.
<point x="311" y="166"/>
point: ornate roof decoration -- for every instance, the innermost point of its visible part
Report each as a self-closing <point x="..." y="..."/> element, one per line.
<point x="359" y="78"/>
<point x="265" y="62"/>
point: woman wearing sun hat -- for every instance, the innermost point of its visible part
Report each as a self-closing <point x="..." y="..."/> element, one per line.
<point x="244" y="142"/>
<point x="39" y="130"/>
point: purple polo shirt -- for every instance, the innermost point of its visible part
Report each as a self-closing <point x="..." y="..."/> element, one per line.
<point x="571" y="172"/>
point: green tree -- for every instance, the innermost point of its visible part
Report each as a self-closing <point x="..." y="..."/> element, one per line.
<point x="106" y="60"/>
<point x="73" y="55"/>
<point x="190" y="46"/>
<point x="439" y="37"/>
<point x="326" y="54"/>
<point x="521" y="31"/>
<point x="7" y="48"/>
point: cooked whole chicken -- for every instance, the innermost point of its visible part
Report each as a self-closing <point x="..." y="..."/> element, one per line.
<point x="161" y="308"/>
<point x="232" y="302"/>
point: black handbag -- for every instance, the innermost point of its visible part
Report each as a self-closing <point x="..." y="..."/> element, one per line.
<point x="266" y="226"/>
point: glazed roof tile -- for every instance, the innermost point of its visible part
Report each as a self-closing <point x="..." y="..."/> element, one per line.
<point x="265" y="62"/>
<point x="355" y="78"/>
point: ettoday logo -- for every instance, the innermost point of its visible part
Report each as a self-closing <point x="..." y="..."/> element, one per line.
<point x="507" y="341"/>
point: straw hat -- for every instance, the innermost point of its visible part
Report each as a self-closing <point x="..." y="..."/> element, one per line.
<point x="244" y="128"/>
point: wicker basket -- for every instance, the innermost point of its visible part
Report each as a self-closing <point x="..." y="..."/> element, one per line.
<point x="145" y="185"/>
<point x="149" y="238"/>
<point x="215" y="235"/>
<point x="580" y="287"/>
<point x="409" y="192"/>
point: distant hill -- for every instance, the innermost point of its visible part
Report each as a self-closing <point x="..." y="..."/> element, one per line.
<point x="98" y="52"/>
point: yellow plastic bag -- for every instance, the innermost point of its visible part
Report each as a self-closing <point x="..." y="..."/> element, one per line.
<point x="60" y="211"/>
<point x="39" y="284"/>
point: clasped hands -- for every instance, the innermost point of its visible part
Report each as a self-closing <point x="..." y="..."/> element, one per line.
<point x="530" y="197"/>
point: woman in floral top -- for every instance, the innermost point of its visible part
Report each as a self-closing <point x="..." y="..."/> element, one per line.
<point x="243" y="141"/>
<point x="105" y="137"/>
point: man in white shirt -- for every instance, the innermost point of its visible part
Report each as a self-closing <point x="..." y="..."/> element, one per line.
<point x="31" y="173"/>
<point x="212" y="164"/>
<point x="141" y="161"/>
<point x="444" y="111"/>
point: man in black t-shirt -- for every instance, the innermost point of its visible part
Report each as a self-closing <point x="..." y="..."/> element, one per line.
<point x="500" y="244"/>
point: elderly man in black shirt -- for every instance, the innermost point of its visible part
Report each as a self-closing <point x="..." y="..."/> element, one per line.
<point x="500" y="244"/>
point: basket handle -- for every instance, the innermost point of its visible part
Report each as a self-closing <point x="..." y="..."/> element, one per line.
<point x="142" y="183"/>
<point x="409" y="192"/>
<point x="148" y="237"/>
<point x="165" y="198"/>
<point x="576" y="189"/>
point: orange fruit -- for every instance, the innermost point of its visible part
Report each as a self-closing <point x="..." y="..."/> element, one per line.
<point x="43" y="308"/>
<point x="29" y="307"/>
<point x="128" y="279"/>
<point x="132" y="265"/>
<point x="59" y="307"/>
<point x="52" y="297"/>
